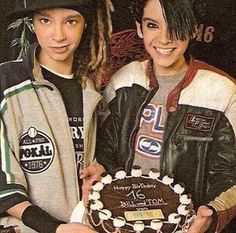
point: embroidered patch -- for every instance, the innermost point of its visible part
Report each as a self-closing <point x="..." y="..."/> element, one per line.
<point x="148" y="146"/>
<point x="36" y="151"/>
<point x="199" y="123"/>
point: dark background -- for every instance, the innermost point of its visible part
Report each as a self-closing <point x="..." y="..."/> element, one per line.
<point x="5" y="36"/>
<point x="215" y="42"/>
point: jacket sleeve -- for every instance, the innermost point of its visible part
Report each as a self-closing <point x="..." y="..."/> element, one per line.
<point x="225" y="208"/>
<point x="12" y="179"/>
<point x="223" y="168"/>
<point x="108" y="137"/>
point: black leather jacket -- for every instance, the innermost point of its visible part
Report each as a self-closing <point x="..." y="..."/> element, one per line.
<point x="199" y="145"/>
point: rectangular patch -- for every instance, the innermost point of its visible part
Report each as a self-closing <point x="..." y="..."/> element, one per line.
<point x="199" y="123"/>
<point x="144" y="215"/>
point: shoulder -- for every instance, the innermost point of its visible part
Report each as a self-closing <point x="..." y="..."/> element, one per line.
<point x="6" y="67"/>
<point x="14" y="75"/>
<point x="213" y="78"/>
<point x="11" y="72"/>
<point x="209" y="88"/>
<point x="132" y="73"/>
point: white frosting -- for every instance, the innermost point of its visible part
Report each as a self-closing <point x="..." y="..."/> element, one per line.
<point x="78" y="213"/>
<point x="106" y="179"/>
<point x="154" y="175"/>
<point x="136" y="172"/>
<point x="120" y="174"/>
<point x="184" y="199"/>
<point x="174" y="218"/>
<point x="183" y="210"/>
<point x="178" y="189"/>
<point x="94" y="195"/>
<point x="138" y="226"/>
<point x="119" y="222"/>
<point x="96" y="205"/>
<point x="104" y="214"/>
<point x="167" y="180"/>
<point x="98" y="186"/>
<point x="156" y="224"/>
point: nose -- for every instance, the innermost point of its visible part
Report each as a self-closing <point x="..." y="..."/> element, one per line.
<point x="58" y="33"/>
<point x="164" y="37"/>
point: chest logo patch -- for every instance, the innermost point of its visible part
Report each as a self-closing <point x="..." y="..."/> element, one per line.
<point x="36" y="151"/>
<point x="199" y="123"/>
<point x="149" y="146"/>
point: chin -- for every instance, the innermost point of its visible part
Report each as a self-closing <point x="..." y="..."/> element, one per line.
<point x="60" y="58"/>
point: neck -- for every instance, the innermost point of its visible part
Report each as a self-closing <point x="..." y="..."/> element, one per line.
<point x="59" y="66"/>
<point x="172" y="70"/>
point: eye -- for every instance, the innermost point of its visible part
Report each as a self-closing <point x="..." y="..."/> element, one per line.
<point x="151" y="25"/>
<point x="71" y="22"/>
<point x="44" y="20"/>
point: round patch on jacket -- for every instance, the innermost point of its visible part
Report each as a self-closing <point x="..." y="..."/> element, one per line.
<point x="36" y="151"/>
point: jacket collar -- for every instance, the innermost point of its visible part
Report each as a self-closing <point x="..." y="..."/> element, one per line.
<point x="172" y="101"/>
<point x="32" y="65"/>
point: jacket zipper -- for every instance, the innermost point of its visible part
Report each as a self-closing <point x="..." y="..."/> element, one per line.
<point x="134" y="132"/>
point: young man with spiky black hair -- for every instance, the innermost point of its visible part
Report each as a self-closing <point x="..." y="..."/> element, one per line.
<point x="48" y="119"/>
<point x="174" y="113"/>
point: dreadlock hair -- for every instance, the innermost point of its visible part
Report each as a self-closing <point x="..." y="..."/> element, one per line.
<point x="178" y="15"/>
<point x="94" y="49"/>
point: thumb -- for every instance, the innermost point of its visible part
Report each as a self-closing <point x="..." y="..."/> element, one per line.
<point x="204" y="211"/>
<point x="85" y="173"/>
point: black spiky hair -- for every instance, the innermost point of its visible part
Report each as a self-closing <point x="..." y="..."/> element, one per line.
<point x="178" y="15"/>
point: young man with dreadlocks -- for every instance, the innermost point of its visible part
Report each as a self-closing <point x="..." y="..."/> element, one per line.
<point x="48" y="122"/>
<point x="174" y="113"/>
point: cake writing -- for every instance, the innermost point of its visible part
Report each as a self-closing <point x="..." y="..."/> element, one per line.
<point x="143" y="203"/>
<point x="135" y="186"/>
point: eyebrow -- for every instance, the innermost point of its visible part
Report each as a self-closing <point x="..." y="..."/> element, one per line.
<point x="149" y="19"/>
<point x="43" y="14"/>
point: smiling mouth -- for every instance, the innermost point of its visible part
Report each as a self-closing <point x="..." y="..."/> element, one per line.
<point x="60" y="49"/>
<point x="165" y="51"/>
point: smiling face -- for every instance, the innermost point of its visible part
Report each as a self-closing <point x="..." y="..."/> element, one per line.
<point x="59" y="32"/>
<point x="167" y="54"/>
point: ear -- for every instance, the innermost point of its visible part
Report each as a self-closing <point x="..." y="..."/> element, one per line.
<point x="139" y="29"/>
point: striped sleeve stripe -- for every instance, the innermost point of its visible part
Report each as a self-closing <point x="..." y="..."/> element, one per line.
<point x="13" y="91"/>
<point x="5" y="158"/>
<point x="5" y="148"/>
<point x="18" y="88"/>
<point x="6" y="193"/>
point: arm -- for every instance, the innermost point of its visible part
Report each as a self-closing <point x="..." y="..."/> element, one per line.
<point x="29" y="214"/>
<point x="14" y="199"/>
<point x="17" y="210"/>
<point x="108" y="137"/>
<point x="221" y="191"/>
<point x="225" y="206"/>
<point x="216" y="215"/>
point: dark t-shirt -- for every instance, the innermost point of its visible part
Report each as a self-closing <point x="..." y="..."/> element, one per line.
<point x="71" y="92"/>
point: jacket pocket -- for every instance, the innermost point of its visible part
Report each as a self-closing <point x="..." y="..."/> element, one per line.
<point x="193" y="150"/>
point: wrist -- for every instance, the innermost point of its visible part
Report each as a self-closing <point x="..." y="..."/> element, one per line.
<point x="39" y="220"/>
<point x="214" y="222"/>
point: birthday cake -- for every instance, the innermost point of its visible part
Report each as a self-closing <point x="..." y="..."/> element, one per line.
<point x="139" y="203"/>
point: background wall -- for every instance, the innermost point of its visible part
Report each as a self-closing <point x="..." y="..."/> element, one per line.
<point x="5" y="52"/>
<point x="214" y="43"/>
